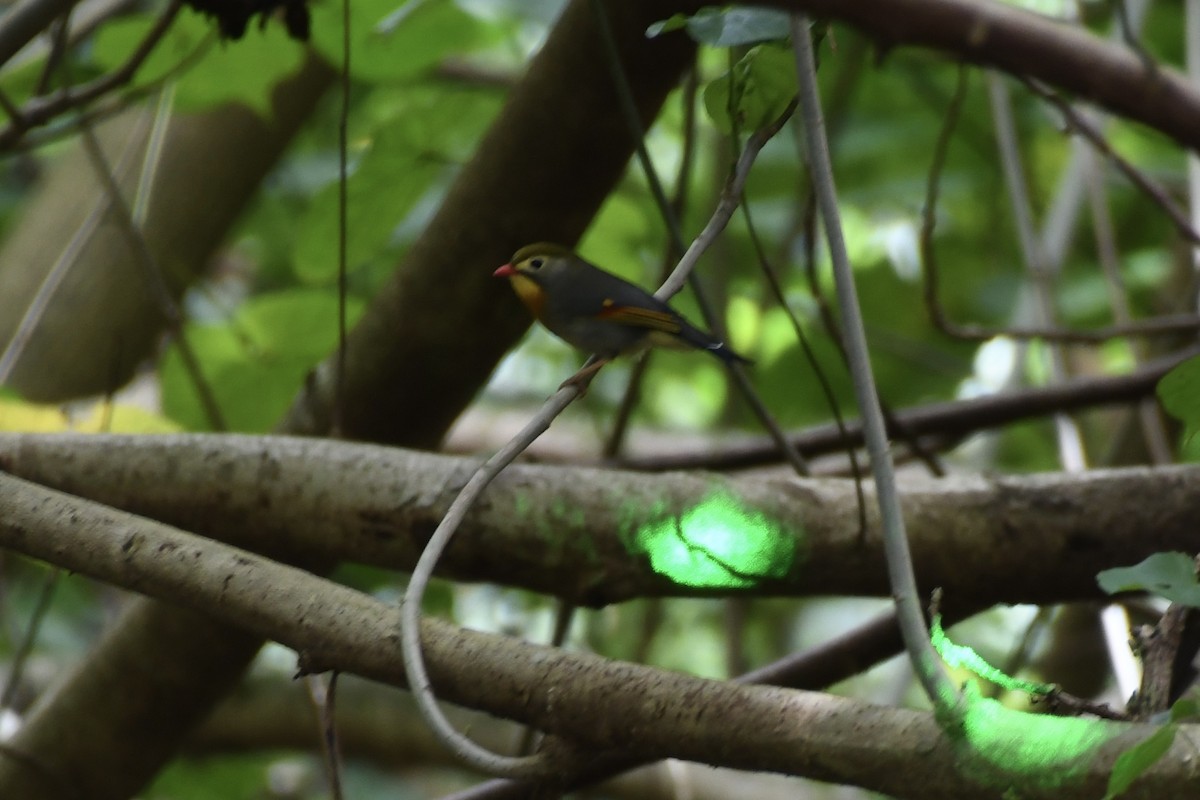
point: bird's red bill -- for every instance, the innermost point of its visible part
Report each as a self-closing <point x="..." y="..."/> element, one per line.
<point x="505" y="271"/>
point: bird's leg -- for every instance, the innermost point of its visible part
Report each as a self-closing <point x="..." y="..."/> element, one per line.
<point x="583" y="378"/>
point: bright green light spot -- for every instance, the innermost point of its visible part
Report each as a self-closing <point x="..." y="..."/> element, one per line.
<point x="718" y="543"/>
<point x="1002" y="744"/>
<point x="958" y="655"/>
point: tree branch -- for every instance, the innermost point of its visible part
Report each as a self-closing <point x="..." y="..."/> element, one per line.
<point x="590" y="700"/>
<point x="950" y="421"/>
<point x="1020" y="42"/>
<point x="574" y="531"/>
<point x="25" y="20"/>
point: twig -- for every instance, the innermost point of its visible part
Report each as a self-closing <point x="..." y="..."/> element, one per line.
<point x="25" y="20"/>
<point x="834" y="118"/>
<point x="948" y="420"/>
<point x="46" y="290"/>
<point x="629" y="399"/>
<point x="1158" y="326"/>
<point x="337" y="423"/>
<point x="325" y="700"/>
<point x="1041" y="272"/>
<point x="942" y="693"/>
<point x="40" y="110"/>
<point x="58" y="46"/>
<point x="822" y="380"/>
<point x="726" y="206"/>
<point x="534" y="766"/>
<point x="1080" y="124"/>
<point x="1063" y="704"/>
<point x="155" y="281"/>
<point x="730" y="195"/>
<point x="1154" y="430"/>
<point x="25" y="646"/>
<point x="471" y="753"/>
<point x="1129" y="35"/>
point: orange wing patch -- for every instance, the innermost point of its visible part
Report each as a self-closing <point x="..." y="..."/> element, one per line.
<point x="639" y="317"/>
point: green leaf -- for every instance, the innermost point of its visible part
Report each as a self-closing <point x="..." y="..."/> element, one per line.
<point x="391" y="40"/>
<point x="387" y="183"/>
<point x="732" y="27"/>
<point x="1185" y="709"/>
<point x="1170" y="575"/>
<point x="1179" y="391"/>
<point x="1052" y="8"/>
<point x="186" y="38"/>
<point x="231" y="777"/>
<point x="1139" y="758"/>
<point x="215" y="72"/>
<point x="763" y="82"/>
<point x="671" y="23"/>
<point x="254" y="362"/>
<point x="738" y="26"/>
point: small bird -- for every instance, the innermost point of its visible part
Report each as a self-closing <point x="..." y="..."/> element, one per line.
<point x="598" y="312"/>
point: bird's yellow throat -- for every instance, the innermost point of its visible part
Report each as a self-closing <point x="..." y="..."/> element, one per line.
<point x="530" y="293"/>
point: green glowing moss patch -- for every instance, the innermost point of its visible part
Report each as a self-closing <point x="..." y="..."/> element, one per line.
<point x="1003" y="747"/>
<point x="958" y="655"/>
<point x="718" y="543"/>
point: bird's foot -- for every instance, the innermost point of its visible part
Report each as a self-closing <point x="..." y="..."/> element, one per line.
<point x="582" y="379"/>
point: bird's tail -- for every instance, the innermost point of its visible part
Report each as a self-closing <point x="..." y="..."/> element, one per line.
<point x="727" y="355"/>
<point x="702" y="341"/>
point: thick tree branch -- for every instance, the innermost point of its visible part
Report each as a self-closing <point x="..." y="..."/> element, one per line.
<point x="573" y="531"/>
<point x="382" y="725"/>
<point x="590" y="700"/>
<point x="1020" y="42"/>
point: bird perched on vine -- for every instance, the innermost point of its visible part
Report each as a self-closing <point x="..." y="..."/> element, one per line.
<point x="598" y="312"/>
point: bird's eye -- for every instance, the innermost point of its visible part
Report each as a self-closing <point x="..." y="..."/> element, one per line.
<point x="536" y="263"/>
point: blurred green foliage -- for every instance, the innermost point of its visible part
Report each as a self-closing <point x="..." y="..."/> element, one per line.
<point x="427" y="79"/>
<point x="209" y="72"/>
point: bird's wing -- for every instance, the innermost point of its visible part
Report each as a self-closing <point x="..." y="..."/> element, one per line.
<point x="635" y="316"/>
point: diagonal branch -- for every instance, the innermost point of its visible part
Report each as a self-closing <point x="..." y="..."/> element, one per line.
<point x="1010" y="39"/>
<point x="948" y="422"/>
<point x="598" y="702"/>
<point x="928" y="668"/>
<point x="587" y="535"/>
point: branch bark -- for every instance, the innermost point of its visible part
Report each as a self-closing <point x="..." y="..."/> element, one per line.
<point x="594" y="702"/>
<point x="573" y="531"/>
<point x="947" y="422"/>
<point x="1019" y="42"/>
